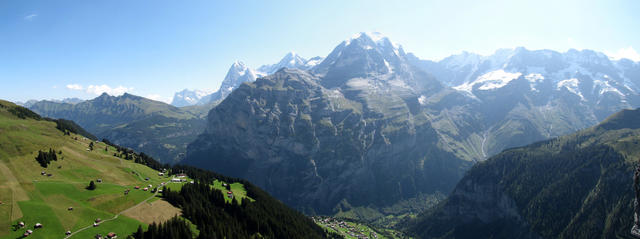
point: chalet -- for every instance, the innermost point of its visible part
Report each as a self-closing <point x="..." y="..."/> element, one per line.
<point x="146" y="179"/>
<point x="95" y="224"/>
<point x="25" y="234"/>
<point x="176" y="180"/>
<point x="229" y="192"/>
<point x="21" y="224"/>
<point x="181" y="175"/>
<point x="137" y="187"/>
<point x="29" y="231"/>
<point x="159" y="190"/>
<point x="98" y="220"/>
<point x="150" y="186"/>
<point x="161" y="174"/>
<point x="67" y="233"/>
<point x="192" y="182"/>
<point x="145" y="189"/>
<point x="99" y="180"/>
<point x="98" y="236"/>
<point x="112" y="235"/>
<point x="43" y="173"/>
<point x="70" y="209"/>
<point x="38" y="225"/>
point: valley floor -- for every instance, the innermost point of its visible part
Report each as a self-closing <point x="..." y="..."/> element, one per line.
<point x="354" y="230"/>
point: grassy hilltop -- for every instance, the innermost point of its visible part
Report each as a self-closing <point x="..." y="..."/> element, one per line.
<point x="29" y="197"/>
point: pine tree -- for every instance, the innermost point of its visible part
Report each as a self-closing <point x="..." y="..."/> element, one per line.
<point x="92" y="185"/>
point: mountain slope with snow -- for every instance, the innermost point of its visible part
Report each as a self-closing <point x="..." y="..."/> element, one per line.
<point x="188" y="97"/>
<point x="290" y="60"/>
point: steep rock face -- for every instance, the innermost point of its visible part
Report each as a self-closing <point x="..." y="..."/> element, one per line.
<point x="313" y="148"/>
<point x="576" y="186"/>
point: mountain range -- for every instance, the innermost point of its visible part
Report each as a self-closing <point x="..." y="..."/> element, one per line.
<point x="373" y="126"/>
<point x="154" y="127"/>
<point x="370" y="127"/>
<point x="239" y="73"/>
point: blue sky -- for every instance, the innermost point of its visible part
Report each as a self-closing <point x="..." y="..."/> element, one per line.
<point x="59" y="49"/>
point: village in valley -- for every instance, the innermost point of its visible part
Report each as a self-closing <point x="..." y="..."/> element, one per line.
<point x="353" y="230"/>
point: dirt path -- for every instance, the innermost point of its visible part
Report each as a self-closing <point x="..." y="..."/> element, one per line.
<point x="18" y="193"/>
<point x="115" y="216"/>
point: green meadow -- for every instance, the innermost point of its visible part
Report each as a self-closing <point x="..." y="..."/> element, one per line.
<point x="30" y="197"/>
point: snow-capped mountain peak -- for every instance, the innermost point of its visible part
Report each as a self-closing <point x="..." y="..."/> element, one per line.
<point x="366" y="38"/>
<point x="188" y="97"/>
<point x="290" y="60"/>
<point x="362" y="55"/>
<point x="589" y="75"/>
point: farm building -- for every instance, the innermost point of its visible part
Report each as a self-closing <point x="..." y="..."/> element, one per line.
<point x="137" y="187"/>
<point x="145" y="189"/>
<point x="38" y="225"/>
<point x="160" y="174"/>
<point x="176" y="180"/>
<point x="181" y="175"/>
<point x="112" y="235"/>
<point x="98" y="220"/>
<point x="67" y="233"/>
<point x="70" y="208"/>
<point x="99" y="180"/>
<point x="21" y="224"/>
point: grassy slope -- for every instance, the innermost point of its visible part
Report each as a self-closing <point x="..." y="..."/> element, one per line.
<point x="30" y="197"/>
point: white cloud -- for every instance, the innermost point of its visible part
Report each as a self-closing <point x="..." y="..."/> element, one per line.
<point x="74" y="87"/>
<point x="628" y="53"/>
<point x="99" y="89"/>
<point x="30" y="17"/>
<point x="157" y="97"/>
